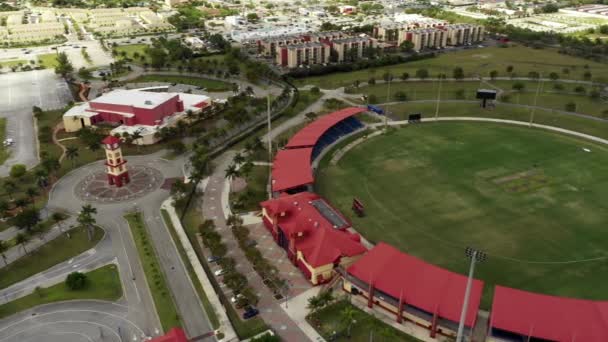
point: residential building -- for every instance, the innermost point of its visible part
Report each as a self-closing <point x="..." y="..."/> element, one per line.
<point x="351" y="48"/>
<point x="426" y="38"/>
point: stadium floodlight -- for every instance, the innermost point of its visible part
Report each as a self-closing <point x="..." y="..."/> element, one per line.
<point x="475" y="256"/>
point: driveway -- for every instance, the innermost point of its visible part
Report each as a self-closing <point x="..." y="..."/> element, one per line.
<point x="19" y="92"/>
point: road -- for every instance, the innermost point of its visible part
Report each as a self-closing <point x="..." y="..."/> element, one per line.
<point x="110" y="216"/>
<point x="19" y="92"/>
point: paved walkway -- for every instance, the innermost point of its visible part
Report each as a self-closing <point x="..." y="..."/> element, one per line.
<point x="215" y="207"/>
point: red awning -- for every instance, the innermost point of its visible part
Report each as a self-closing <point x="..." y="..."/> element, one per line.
<point x="309" y="135"/>
<point x="291" y="169"/>
<point x="549" y="317"/>
<point x="174" y="335"/>
<point x="423" y="285"/>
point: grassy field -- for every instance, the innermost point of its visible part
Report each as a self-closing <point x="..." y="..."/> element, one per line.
<point x="12" y="62"/>
<point x="132" y="49"/>
<point x="548" y="96"/>
<point x="49" y="60"/>
<point x="330" y="319"/>
<point x="476" y="62"/>
<point x="208" y="84"/>
<point x="157" y="282"/>
<point x="103" y="284"/>
<point x="532" y="200"/>
<point x="58" y="250"/>
<point x="249" y="198"/>
<point x="197" y="285"/>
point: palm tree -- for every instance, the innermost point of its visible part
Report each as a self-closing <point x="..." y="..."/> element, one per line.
<point x="72" y="153"/>
<point x="9" y="186"/>
<point x="238" y="159"/>
<point x="348" y="317"/>
<point x="136" y="136"/>
<point x="86" y="219"/>
<point x="3" y="208"/>
<point x="22" y="239"/>
<point x="313" y="304"/>
<point x="42" y="178"/>
<point x="3" y="249"/>
<point x="232" y="172"/>
<point x="21" y="203"/>
<point x="94" y="147"/>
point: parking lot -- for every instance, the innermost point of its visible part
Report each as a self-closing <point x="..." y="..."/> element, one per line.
<point x="19" y="92"/>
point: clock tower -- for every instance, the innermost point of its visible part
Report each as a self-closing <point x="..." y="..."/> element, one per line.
<point x="116" y="165"/>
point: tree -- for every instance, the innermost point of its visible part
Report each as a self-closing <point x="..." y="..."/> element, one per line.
<point x="76" y="281"/>
<point x="554" y="76"/>
<point x="58" y="218"/>
<point x="518" y="86"/>
<point x="27" y="219"/>
<point x="406" y="46"/>
<point x="21" y="239"/>
<point x="315" y="90"/>
<point x="314" y="303"/>
<point x="3" y="249"/>
<point x="84" y="73"/>
<point x="509" y="69"/>
<point x="422" y="73"/>
<point x="32" y="193"/>
<point x="9" y="186"/>
<point x="253" y="17"/>
<point x="135" y="136"/>
<point x="587" y="75"/>
<point x="87" y="220"/>
<point x="177" y="147"/>
<point x="400" y="96"/>
<point x="570" y="106"/>
<point x="458" y="73"/>
<point x="405" y="76"/>
<point x="493" y="74"/>
<point x="387" y="76"/>
<point x="371" y="81"/>
<point x="72" y="153"/>
<point x="64" y="66"/>
<point x="348" y="315"/>
<point x="18" y="171"/>
<point x="534" y="75"/>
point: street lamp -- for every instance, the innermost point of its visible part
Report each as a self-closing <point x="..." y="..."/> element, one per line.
<point x="475" y="256"/>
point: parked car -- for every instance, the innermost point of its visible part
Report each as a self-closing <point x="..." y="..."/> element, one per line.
<point x="8" y="142"/>
<point x="250" y="312"/>
<point x="213" y="258"/>
<point x="220" y="272"/>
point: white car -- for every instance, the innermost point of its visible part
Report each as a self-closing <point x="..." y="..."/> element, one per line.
<point x="219" y="272"/>
<point x="9" y="142"/>
<point x="235" y="298"/>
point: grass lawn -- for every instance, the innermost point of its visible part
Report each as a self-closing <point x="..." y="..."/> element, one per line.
<point x="548" y="97"/>
<point x="197" y="285"/>
<point x="474" y="62"/>
<point x="526" y="197"/>
<point x="4" y="153"/>
<point x="12" y="62"/>
<point x="103" y="284"/>
<point x="209" y="84"/>
<point x="132" y="49"/>
<point x="157" y="282"/>
<point x="58" y="250"/>
<point x="504" y="111"/>
<point x="330" y="319"/>
<point x="49" y="60"/>
<point x="249" y="198"/>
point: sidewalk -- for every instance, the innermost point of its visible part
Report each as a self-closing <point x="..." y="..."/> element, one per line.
<point x="225" y="325"/>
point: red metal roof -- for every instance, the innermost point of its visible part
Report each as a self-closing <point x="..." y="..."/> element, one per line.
<point x="308" y="136"/>
<point x="314" y="235"/>
<point x="291" y="168"/>
<point x="174" y="335"/>
<point x="421" y="284"/>
<point x="110" y="139"/>
<point x="549" y="317"/>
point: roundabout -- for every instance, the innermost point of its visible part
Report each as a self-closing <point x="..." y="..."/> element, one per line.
<point x="530" y="199"/>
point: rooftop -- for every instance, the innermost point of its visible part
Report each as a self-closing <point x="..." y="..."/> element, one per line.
<point x="134" y="98"/>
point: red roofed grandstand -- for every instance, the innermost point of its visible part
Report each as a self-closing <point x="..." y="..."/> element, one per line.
<point x="291" y="170"/>
<point x="412" y="289"/>
<point x="526" y="316"/>
<point x="313" y="233"/>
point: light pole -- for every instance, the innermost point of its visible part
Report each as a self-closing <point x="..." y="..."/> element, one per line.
<point x="475" y="256"/>
<point x="535" y="100"/>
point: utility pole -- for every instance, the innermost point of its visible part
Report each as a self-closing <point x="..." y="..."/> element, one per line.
<point x="269" y="143"/>
<point x="535" y="101"/>
<point x="475" y="256"/>
<point x="438" y="97"/>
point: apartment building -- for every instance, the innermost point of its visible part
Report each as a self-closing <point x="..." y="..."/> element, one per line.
<point x="463" y="34"/>
<point x="426" y="38"/>
<point x="352" y="48"/>
<point x="442" y="36"/>
<point x="308" y="53"/>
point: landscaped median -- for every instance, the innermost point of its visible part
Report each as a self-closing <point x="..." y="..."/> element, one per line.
<point x="165" y="307"/>
<point x="102" y="284"/>
<point x="210" y="299"/>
